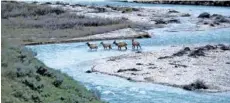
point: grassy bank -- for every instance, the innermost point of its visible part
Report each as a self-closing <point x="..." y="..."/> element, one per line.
<point x="40" y="23"/>
<point x="25" y="79"/>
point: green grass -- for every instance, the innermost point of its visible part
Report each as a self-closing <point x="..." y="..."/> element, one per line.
<point x="22" y="83"/>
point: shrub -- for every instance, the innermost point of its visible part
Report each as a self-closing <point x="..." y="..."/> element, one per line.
<point x="36" y="98"/>
<point x="198" y="84"/>
<point x="58" y="81"/>
<point x="25" y="10"/>
<point x="33" y="84"/>
<point x="21" y="95"/>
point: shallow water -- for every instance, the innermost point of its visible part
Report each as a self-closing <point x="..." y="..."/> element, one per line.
<point x="75" y="58"/>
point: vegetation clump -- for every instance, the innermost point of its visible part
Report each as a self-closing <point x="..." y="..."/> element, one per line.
<point x="198" y="84"/>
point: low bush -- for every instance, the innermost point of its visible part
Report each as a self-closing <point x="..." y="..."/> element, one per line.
<point x="198" y="84"/>
<point x="58" y="81"/>
<point x="10" y="9"/>
<point x="33" y="84"/>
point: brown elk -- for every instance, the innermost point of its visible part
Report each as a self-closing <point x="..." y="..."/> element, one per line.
<point x="106" y="45"/>
<point x="135" y="44"/>
<point x="92" y="46"/>
<point x="120" y="45"/>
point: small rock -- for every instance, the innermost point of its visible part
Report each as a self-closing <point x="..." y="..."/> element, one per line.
<point x="211" y="69"/>
<point x="178" y="65"/>
<point x="216" y="15"/>
<point x="222" y="19"/>
<point x="187" y="49"/>
<point x="207" y="47"/>
<point x="182" y="52"/>
<point x="185" y="15"/>
<point x="224" y="47"/>
<point x="133" y="74"/>
<point x="129" y="78"/>
<point x="160" y="21"/>
<point x="139" y="15"/>
<point x="139" y="63"/>
<point x="152" y="67"/>
<point x="204" y="15"/>
<point x="212" y="24"/>
<point x="131" y="69"/>
<point x="205" y="23"/>
<point x="227" y="62"/>
<point x="173" y="21"/>
<point x="88" y="71"/>
<point x="150" y="64"/>
<point x="173" y="11"/>
<point x="198" y="52"/>
<point x="164" y="57"/>
<point x="138" y="52"/>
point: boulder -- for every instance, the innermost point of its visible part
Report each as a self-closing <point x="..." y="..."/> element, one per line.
<point x="160" y="21"/>
<point x="198" y="52"/>
<point x="182" y="52"/>
<point x="185" y="15"/>
<point x="187" y="49"/>
<point x="216" y="15"/>
<point x="173" y="21"/>
<point x="224" y="47"/>
<point x="208" y="47"/>
<point x="222" y="19"/>
<point x="204" y="15"/>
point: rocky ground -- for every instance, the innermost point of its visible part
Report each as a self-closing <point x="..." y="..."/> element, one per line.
<point x="192" y="68"/>
<point x="171" y="19"/>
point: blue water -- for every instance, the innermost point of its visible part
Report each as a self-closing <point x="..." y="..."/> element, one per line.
<point x="75" y="58"/>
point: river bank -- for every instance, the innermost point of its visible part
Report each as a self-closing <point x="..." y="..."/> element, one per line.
<point x="174" y="66"/>
<point x="24" y="78"/>
<point x="139" y="20"/>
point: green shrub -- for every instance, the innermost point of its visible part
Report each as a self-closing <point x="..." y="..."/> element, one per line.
<point x="58" y="81"/>
<point x="198" y="84"/>
<point x="33" y="84"/>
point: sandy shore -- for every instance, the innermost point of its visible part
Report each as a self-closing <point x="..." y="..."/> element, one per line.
<point x="213" y="68"/>
<point x="126" y="33"/>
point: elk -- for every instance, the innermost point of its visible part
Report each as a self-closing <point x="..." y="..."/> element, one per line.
<point x="135" y="44"/>
<point x="92" y="46"/>
<point x="106" y="45"/>
<point x="120" y="44"/>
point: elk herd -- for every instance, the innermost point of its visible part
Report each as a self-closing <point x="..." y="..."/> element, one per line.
<point x="120" y="45"/>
